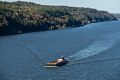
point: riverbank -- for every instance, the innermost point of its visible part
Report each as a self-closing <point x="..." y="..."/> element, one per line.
<point x="23" y="17"/>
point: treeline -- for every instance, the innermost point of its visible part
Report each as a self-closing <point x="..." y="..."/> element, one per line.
<point x="20" y="17"/>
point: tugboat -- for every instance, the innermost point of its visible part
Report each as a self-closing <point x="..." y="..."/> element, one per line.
<point x="59" y="62"/>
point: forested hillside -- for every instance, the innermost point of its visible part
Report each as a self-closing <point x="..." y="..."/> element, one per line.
<point x="21" y="17"/>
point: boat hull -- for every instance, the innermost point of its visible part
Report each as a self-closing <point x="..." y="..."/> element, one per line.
<point x="55" y="64"/>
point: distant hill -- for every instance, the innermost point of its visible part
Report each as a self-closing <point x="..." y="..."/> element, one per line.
<point x="117" y="15"/>
<point x="21" y="17"/>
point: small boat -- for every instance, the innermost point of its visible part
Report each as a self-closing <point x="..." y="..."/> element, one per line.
<point x="57" y="63"/>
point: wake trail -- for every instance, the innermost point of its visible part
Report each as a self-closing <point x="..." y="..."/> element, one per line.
<point x="34" y="55"/>
<point x="93" y="49"/>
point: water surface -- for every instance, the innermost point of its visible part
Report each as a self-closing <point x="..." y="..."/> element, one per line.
<point x="93" y="51"/>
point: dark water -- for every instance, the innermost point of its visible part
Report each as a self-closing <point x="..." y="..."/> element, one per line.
<point x="94" y="52"/>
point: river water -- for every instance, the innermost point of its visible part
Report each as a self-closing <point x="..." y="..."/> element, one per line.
<point x="93" y="51"/>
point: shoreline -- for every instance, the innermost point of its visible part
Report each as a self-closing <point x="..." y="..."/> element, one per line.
<point x="66" y="28"/>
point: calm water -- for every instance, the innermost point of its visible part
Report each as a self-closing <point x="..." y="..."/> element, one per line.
<point x="94" y="52"/>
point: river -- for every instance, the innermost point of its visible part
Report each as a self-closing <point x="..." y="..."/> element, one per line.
<point x="93" y="51"/>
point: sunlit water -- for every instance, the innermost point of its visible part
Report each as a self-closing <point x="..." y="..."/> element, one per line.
<point x="93" y="51"/>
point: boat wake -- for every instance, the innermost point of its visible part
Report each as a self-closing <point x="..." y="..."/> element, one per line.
<point x="93" y="49"/>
